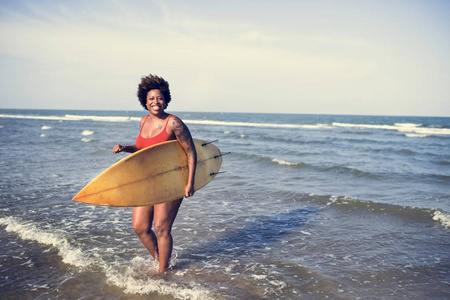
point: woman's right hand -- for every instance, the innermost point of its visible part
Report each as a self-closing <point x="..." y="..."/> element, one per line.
<point x="118" y="148"/>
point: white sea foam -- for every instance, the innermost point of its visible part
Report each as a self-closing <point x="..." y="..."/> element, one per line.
<point x="73" y="118"/>
<point x="400" y="127"/>
<point x="43" y="135"/>
<point x="86" y="140"/>
<point x="27" y="231"/>
<point x="443" y="218"/>
<point x="87" y="132"/>
<point x="259" y="277"/>
<point x="416" y="135"/>
<point x="333" y="199"/>
<point x="133" y="278"/>
<point x="46" y="127"/>
<point x="32" y="117"/>
<point x="101" y="118"/>
<point x="407" y="125"/>
<point x="249" y="124"/>
<point x="284" y="162"/>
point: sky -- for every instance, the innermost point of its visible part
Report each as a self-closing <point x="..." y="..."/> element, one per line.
<point x="306" y="57"/>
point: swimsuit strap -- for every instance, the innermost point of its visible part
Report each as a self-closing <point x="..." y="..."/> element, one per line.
<point x="140" y="130"/>
<point x="165" y="126"/>
<point x="167" y="122"/>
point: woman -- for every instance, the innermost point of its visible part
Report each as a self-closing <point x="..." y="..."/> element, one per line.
<point x="159" y="126"/>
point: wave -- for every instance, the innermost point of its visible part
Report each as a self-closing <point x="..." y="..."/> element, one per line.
<point x="101" y="118"/>
<point x="348" y="170"/>
<point x="269" y="138"/>
<point x="442" y="217"/>
<point x="273" y="160"/>
<point x="416" y="135"/>
<point x="29" y="231"/>
<point x="132" y="277"/>
<point x="265" y="125"/>
<point x="296" y="164"/>
<point x="408" y="128"/>
<point x="73" y="118"/>
<point x="349" y="205"/>
<point x="285" y="163"/>
<point x="52" y="118"/>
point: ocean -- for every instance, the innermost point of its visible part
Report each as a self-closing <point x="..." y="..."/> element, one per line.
<point x="309" y="207"/>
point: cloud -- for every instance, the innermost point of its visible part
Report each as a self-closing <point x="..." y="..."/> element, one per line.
<point x="88" y="56"/>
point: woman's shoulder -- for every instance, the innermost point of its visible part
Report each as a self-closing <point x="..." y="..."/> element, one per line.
<point x="174" y="119"/>
<point x="143" y="120"/>
<point x="174" y="122"/>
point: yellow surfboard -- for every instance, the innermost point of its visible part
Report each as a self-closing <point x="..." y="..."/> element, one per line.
<point x="152" y="175"/>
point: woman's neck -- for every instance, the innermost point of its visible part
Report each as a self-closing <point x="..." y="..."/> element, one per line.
<point x="160" y="116"/>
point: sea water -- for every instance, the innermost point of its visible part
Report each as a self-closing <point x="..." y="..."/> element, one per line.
<point x="310" y="207"/>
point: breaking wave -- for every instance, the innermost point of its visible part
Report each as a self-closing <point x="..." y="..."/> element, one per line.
<point x="409" y="129"/>
<point x="132" y="277"/>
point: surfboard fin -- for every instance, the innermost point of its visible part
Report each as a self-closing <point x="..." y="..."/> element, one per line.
<point x="215" y="173"/>
<point x="221" y="154"/>
<point x="207" y="143"/>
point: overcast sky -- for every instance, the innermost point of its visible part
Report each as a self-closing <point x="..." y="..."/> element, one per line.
<point x="340" y="57"/>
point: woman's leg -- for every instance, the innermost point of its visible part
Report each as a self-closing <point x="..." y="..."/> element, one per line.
<point x="164" y="216"/>
<point x="142" y="225"/>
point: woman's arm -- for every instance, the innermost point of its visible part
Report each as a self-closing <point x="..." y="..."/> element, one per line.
<point x="130" y="149"/>
<point x="185" y="139"/>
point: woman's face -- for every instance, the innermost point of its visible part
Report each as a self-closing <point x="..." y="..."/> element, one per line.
<point x="156" y="103"/>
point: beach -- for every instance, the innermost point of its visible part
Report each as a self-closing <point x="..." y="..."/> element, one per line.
<point x="309" y="207"/>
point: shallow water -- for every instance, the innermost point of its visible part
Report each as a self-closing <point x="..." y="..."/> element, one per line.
<point x="344" y="207"/>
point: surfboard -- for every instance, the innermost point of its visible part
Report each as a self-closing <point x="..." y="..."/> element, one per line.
<point x="153" y="175"/>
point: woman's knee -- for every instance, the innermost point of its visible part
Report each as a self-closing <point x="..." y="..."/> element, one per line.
<point x="142" y="220"/>
<point x="141" y="228"/>
<point x="162" y="229"/>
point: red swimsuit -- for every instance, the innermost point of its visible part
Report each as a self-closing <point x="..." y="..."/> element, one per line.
<point x="163" y="136"/>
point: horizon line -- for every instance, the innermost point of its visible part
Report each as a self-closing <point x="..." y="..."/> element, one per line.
<point x="234" y="112"/>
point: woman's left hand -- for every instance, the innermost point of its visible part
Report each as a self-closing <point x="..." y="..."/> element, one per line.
<point x="189" y="191"/>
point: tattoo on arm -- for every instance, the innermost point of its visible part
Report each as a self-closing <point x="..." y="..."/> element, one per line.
<point x="184" y="136"/>
<point x="181" y="132"/>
